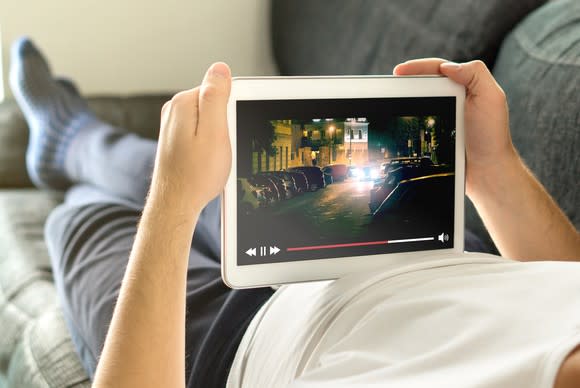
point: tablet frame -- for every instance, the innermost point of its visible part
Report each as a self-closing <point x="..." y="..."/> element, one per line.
<point x="292" y="88"/>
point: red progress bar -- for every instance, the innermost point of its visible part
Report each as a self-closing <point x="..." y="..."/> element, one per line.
<point x="358" y="244"/>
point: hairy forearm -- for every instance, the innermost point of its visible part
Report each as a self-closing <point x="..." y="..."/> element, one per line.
<point x="522" y="218"/>
<point x="145" y="345"/>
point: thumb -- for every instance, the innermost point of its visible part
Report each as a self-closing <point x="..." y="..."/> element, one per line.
<point x="213" y="96"/>
<point x="474" y="75"/>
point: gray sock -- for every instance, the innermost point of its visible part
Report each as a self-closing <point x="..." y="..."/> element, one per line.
<point x="54" y="111"/>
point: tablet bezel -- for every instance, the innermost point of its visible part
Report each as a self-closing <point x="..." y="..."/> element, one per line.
<point x="291" y="88"/>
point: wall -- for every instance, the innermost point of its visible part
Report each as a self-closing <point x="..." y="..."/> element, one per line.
<point x="131" y="46"/>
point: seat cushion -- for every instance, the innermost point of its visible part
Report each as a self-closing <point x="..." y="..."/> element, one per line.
<point x="372" y="36"/>
<point x="35" y="346"/>
<point x="539" y="69"/>
<point x="139" y="114"/>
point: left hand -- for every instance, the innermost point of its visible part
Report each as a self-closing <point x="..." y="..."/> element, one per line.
<point x="194" y="152"/>
<point x="488" y="144"/>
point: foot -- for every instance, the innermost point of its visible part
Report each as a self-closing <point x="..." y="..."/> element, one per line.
<point x="54" y="111"/>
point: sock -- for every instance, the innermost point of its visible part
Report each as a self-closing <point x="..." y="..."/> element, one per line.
<point x="55" y="113"/>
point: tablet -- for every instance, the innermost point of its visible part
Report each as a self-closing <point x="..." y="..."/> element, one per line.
<point x="332" y="175"/>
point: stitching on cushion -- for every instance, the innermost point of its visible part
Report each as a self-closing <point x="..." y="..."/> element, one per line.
<point x="535" y="52"/>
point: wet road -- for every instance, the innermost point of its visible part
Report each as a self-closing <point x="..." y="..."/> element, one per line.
<point x="340" y="209"/>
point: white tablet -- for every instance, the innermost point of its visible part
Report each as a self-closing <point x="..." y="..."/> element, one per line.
<point x="333" y="175"/>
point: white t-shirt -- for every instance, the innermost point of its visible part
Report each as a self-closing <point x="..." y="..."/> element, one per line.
<point x="463" y="321"/>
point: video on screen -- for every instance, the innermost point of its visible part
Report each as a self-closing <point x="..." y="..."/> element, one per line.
<point x="334" y="178"/>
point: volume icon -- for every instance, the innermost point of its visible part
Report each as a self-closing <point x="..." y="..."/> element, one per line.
<point x="251" y="252"/>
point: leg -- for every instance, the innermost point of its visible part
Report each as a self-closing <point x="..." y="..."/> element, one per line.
<point x="90" y="236"/>
<point x="89" y="246"/>
<point x="67" y="142"/>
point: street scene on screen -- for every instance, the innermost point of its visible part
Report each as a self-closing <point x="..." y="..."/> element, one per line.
<point x="341" y="181"/>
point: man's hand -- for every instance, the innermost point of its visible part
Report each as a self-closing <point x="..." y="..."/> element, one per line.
<point x="523" y="220"/>
<point x="487" y="138"/>
<point x="194" y="152"/>
<point x="145" y="345"/>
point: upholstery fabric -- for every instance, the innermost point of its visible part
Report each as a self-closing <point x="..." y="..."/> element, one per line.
<point x="35" y="346"/>
<point x="372" y="36"/>
<point x="539" y="69"/>
<point x="139" y="114"/>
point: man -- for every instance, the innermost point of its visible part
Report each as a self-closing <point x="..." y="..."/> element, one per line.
<point x="473" y="320"/>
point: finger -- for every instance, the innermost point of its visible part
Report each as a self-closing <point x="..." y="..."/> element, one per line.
<point x="213" y="96"/>
<point x="474" y="75"/>
<point x="165" y="109"/>
<point x="424" y="66"/>
<point x="182" y="111"/>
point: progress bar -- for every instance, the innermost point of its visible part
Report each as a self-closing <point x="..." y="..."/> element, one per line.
<point x="411" y="240"/>
<point x="358" y="244"/>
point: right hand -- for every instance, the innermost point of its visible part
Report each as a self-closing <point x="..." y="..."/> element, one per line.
<point x="487" y="136"/>
<point x="194" y="153"/>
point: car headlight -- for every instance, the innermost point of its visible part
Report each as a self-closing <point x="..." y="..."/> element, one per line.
<point x="375" y="173"/>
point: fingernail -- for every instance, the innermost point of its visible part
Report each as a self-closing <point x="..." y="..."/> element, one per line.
<point x="219" y="69"/>
<point x="396" y="68"/>
<point x="451" y="66"/>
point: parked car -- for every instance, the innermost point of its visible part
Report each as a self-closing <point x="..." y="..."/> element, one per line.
<point x="300" y="180"/>
<point x="314" y="174"/>
<point x="251" y="197"/>
<point x="287" y="181"/>
<point x="395" y="163"/>
<point x="284" y="187"/>
<point x="327" y="179"/>
<point x="339" y="172"/>
<point x="384" y="187"/>
<point x="417" y="205"/>
<point x="273" y="188"/>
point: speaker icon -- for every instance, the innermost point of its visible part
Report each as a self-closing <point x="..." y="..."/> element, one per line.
<point x="443" y="237"/>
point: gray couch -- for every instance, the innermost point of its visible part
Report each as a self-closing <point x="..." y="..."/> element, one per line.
<point x="35" y="347"/>
<point x="538" y="66"/>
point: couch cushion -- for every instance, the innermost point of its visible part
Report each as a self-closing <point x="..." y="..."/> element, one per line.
<point x="139" y="114"/>
<point x="13" y="140"/>
<point x="45" y="356"/>
<point x="372" y="36"/>
<point x="26" y="288"/>
<point x="539" y="69"/>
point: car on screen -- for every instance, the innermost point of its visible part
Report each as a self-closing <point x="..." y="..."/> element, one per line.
<point x="339" y="172"/>
<point x="366" y="172"/>
<point x="314" y="174"/>
<point x="300" y="180"/>
<point x="427" y="201"/>
<point x="285" y="182"/>
<point x="385" y="186"/>
<point x="252" y="197"/>
<point x="395" y="163"/>
<point x="274" y="189"/>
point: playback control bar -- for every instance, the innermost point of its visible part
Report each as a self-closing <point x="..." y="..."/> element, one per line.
<point x="273" y="250"/>
<point x="443" y="237"/>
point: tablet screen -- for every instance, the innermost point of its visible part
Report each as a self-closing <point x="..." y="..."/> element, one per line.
<point x="328" y="178"/>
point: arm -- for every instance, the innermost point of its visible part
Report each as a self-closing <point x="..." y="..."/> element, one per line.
<point x="145" y="344"/>
<point x="522" y="218"/>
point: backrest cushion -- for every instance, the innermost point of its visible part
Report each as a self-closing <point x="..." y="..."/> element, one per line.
<point x="372" y="36"/>
<point x="139" y="114"/>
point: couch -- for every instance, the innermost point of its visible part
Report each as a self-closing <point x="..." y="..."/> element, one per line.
<point x="534" y="53"/>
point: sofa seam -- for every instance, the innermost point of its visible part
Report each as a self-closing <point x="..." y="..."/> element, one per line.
<point x="530" y="48"/>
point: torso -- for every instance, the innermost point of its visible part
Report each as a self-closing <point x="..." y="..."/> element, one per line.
<point x="464" y="322"/>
